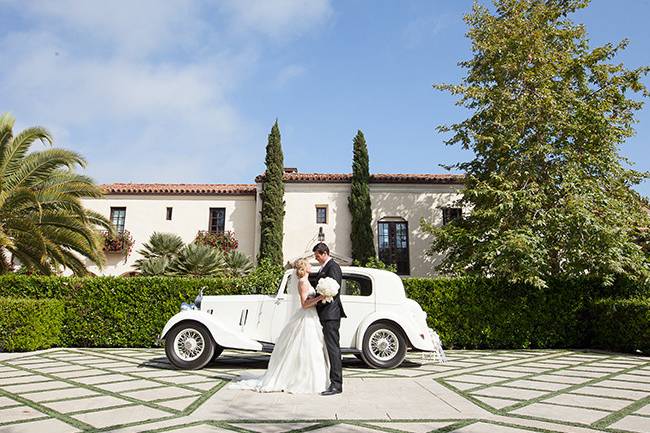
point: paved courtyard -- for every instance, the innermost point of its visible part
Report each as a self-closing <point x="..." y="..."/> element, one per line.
<point x="135" y="390"/>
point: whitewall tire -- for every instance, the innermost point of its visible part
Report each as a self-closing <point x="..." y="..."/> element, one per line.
<point x="189" y="346"/>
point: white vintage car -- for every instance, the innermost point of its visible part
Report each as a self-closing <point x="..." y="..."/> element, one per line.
<point x="381" y="324"/>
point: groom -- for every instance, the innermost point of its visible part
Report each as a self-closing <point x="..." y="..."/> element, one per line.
<point x="330" y="314"/>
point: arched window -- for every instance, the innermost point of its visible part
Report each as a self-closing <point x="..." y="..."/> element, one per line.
<point x="393" y="240"/>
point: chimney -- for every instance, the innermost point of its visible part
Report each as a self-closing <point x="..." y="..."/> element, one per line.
<point x="290" y="170"/>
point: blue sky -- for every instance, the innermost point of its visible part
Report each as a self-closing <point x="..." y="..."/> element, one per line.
<point x="187" y="90"/>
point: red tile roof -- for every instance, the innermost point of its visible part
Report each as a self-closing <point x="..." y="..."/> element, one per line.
<point x="374" y="178"/>
<point x="180" y="188"/>
<point x="249" y="189"/>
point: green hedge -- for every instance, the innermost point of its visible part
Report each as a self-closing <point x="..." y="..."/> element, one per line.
<point x="123" y="312"/>
<point x="621" y="324"/>
<point x="466" y="312"/>
<point x="479" y="313"/>
<point x="30" y="324"/>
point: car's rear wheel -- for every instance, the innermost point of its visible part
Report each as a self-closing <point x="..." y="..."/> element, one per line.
<point x="384" y="345"/>
<point x="189" y="346"/>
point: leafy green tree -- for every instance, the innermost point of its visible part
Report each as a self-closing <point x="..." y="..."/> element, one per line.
<point x="272" y="215"/>
<point x="43" y="223"/>
<point x="549" y="192"/>
<point x="363" y="243"/>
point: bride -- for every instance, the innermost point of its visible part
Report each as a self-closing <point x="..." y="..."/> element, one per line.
<point x="299" y="362"/>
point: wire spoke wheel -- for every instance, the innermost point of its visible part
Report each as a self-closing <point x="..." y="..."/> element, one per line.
<point x="384" y="344"/>
<point x="189" y="344"/>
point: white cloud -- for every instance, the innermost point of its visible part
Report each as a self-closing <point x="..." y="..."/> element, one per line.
<point x="278" y="18"/>
<point x="422" y="28"/>
<point x="144" y="89"/>
<point x="288" y="73"/>
<point x="135" y="28"/>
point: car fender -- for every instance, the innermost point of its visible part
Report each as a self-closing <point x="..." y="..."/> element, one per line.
<point x="222" y="335"/>
<point x="401" y="318"/>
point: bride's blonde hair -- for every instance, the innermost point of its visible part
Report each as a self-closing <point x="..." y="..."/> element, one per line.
<point x="300" y="266"/>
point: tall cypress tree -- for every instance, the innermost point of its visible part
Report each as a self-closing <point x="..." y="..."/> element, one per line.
<point x="272" y="220"/>
<point x="363" y="244"/>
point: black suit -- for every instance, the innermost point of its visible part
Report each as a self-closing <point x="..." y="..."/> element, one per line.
<point x="330" y="314"/>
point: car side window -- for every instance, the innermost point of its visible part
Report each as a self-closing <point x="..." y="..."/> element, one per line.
<point x="355" y="285"/>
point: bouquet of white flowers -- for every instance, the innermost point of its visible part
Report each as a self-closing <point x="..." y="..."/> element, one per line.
<point x="328" y="287"/>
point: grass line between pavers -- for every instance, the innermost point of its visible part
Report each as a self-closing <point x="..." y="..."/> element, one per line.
<point x="568" y="390"/>
<point x="609" y="397"/>
<point x="175" y="427"/>
<point x="134" y="376"/>
<point x="622" y="413"/>
<point x="499" y="365"/>
<point x="519" y="426"/>
<point x="455" y="424"/>
<point x="110" y="393"/>
<point x="578" y="406"/>
<point x="206" y="395"/>
<point x="529" y="376"/>
<point x="507" y="411"/>
<point x="45" y="410"/>
<point x="100" y="409"/>
<point x="34" y="391"/>
<point x="315" y="424"/>
<point x="23" y="421"/>
<point x="133" y="424"/>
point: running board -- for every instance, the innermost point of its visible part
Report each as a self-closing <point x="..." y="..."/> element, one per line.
<point x="268" y="348"/>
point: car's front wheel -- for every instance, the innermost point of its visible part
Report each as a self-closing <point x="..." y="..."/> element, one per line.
<point x="384" y="346"/>
<point x="189" y="346"/>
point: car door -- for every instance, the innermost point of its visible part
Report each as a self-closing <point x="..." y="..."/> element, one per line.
<point x="358" y="299"/>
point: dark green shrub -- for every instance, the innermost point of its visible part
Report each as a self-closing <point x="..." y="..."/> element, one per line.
<point x="126" y="312"/>
<point x="621" y="324"/>
<point x="30" y="324"/>
<point x="481" y="313"/>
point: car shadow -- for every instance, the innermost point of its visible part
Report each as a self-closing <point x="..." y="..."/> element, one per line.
<point x="228" y="362"/>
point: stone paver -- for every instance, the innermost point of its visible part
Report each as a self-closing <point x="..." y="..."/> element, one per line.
<point x="134" y="390"/>
<point x="122" y="415"/>
<point x="45" y="426"/>
<point x="633" y="423"/>
<point x="564" y="413"/>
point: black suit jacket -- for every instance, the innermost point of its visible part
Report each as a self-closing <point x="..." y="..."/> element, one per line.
<point x="331" y="310"/>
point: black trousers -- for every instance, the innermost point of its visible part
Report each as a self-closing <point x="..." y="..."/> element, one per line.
<point x="331" y="334"/>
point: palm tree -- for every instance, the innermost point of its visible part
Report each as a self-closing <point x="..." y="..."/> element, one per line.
<point x="155" y="266"/>
<point x="161" y="250"/>
<point x="198" y="260"/>
<point x="238" y="264"/>
<point x="42" y="221"/>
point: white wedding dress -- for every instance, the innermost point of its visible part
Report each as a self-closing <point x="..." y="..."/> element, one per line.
<point x="299" y="362"/>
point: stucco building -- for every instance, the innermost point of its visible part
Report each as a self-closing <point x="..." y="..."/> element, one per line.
<point x="316" y="206"/>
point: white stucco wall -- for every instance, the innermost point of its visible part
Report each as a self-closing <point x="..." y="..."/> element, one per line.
<point x="408" y="201"/>
<point x="412" y="203"/>
<point x="146" y="214"/>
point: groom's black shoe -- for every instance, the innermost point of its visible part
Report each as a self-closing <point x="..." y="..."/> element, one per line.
<point x="331" y="391"/>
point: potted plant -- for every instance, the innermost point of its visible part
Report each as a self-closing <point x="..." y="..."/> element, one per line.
<point x="118" y="243"/>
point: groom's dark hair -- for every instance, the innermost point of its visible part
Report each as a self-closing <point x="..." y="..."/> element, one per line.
<point x="321" y="248"/>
